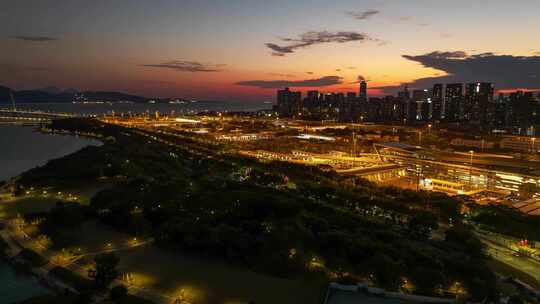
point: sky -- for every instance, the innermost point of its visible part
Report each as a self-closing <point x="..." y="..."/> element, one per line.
<point x="243" y="50"/>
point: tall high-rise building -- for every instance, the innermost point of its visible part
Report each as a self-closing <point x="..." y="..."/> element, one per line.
<point x="436" y="109"/>
<point x="289" y="103"/>
<point x="453" y="99"/>
<point x="347" y="111"/>
<point x="479" y="102"/>
<point x="362" y="95"/>
<point x="500" y="118"/>
<point x="404" y="99"/>
<point x="313" y="102"/>
<point x="405" y="94"/>
<point x="313" y="95"/>
<point x="422" y="98"/>
<point x="523" y="108"/>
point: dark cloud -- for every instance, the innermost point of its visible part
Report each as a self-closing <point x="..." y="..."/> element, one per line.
<point x="351" y="68"/>
<point x="314" y="38"/>
<point x="505" y="71"/>
<point x="310" y="73"/>
<point x="437" y="56"/>
<point x="281" y="75"/>
<point x="338" y="70"/>
<point x="359" y="79"/>
<point x="275" y="84"/>
<point x="187" y="66"/>
<point x="35" y="38"/>
<point x="362" y="15"/>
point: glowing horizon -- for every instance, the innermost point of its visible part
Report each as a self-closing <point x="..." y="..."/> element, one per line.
<point x="206" y="49"/>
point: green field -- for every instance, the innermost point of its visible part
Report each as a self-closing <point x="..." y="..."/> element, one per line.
<point x="37" y="201"/>
<point x="216" y="282"/>
<point x="204" y="281"/>
<point x="26" y="204"/>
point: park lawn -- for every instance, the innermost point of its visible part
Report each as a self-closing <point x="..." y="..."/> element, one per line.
<point x="507" y="270"/>
<point x="39" y="202"/>
<point x="167" y="273"/>
<point x="206" y="281"/>
<point x="85" y="192"/>
<point x="93" y="237"/>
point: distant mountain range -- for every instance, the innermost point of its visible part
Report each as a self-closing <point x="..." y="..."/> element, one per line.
<point x="53" y="94"/>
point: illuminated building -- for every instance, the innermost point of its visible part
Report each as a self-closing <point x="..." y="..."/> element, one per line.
<point x="452" y="105"/>
<point x="479" y="102"/>
<point x="435" y="111"/>
<point x="289" y="103"/>
<point x="422" y="99"/>
<point x="362" y="94"/>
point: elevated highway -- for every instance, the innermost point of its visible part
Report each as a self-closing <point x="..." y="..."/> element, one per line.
<point x="27" y="117"/>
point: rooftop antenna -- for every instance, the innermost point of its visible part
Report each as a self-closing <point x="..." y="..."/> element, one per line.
<point x="12" y="99"/>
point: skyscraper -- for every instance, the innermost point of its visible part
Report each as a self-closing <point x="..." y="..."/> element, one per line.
<point x="405" y="94"/>
<point x="312" y="102"/>
<point x="362" y="95"/>
<point x="347" y="107"/>
<point x="289" y="103"/>
<point x="436" y="108"/>
<point x="405" y="102"/>
<point x="523" y="108"/>
<point x="422" y="98"/>
<point x="479" y="102"/>
<point x="313" y="95"/>
<point x="453" y="97"/>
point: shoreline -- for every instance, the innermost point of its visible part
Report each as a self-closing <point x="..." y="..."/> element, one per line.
<point x="10" y="256"/>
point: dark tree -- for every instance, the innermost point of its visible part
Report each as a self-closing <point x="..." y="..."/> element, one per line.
<point x="421" y="224"/>
<point x="387" y="271"/>
<point x="466" y="239"/>
<point x="106" y="270"/>
<point x="426" y="279"/>
<point x="118" y="293"/>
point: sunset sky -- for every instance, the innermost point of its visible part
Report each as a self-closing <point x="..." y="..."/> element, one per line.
<point x="242" y="50"/>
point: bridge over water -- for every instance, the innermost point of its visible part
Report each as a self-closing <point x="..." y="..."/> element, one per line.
<point x="15" y="116"/>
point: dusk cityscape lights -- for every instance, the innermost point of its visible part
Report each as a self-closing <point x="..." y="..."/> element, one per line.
<point x="269" y="152"/>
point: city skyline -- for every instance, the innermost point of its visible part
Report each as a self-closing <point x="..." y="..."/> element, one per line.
<point x="244" y="51"/>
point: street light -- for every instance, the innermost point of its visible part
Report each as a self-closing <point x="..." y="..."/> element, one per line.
<point x="532" y="140"/>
